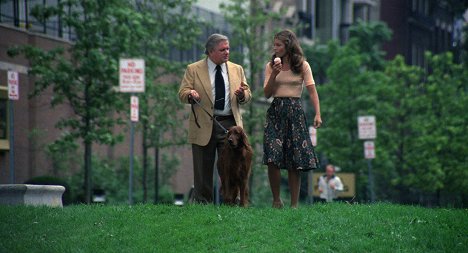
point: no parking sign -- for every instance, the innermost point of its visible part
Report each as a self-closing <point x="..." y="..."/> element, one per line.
<point x="13" y="85"/>
<point x="369" y="150"/>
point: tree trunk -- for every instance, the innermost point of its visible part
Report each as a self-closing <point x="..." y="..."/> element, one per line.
<point x="88" y="144"/>
<point x="156" y="174"/>
<point x="88" y="171"/>
<point x="145" y="164"/>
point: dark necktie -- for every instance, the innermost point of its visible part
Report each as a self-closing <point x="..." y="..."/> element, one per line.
<point x="219" y="89"/>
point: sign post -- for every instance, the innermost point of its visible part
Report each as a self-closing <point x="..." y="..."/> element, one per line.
<point x="132" y="80"/>
<point x="13" y="94"/>
<point x="367" y="130"/>
<point x="369" y="150"/>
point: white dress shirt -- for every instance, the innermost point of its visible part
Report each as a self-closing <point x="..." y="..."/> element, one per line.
<point x="327" y="192"/>
<point x="227" y="101"/>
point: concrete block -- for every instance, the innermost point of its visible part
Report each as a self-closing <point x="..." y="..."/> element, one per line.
<point x="35" y="195"/>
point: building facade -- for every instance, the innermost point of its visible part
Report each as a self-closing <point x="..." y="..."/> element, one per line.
<point x="417" y="25"/>
<point x="34" y="119"/>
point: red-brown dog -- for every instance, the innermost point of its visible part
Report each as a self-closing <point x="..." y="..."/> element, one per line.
<point x="234" y="165"/>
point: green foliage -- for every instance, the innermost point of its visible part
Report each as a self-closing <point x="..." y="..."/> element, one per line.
<point x="446" y="90"/>
<point x="158" y="117"/>
<point x="248" y="20"/>
<point x="83" y="75"/>
<point x="420" y="120"/>
<point x="204" y="228"/>
<point x="320" y="57"/>
<point x="428" y="125"/>
<point x="370" y="36"/>
<point x="111" y="175"/>
<point x="348" y="94"/>
<point x="167" y="26"/>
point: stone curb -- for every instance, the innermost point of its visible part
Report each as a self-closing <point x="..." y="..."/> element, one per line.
<point x="35" y="195"/>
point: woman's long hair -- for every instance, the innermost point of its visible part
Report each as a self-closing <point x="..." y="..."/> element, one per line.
<point x="293" y="50"/>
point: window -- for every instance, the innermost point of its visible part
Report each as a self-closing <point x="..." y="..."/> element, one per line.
<point x="3" y="118"/>
<point x="4" y="144"/>
<point x="18" y="13"/>
<point x="7" y="12"/>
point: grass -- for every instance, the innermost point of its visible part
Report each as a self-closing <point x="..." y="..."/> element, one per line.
<point x="195" y="228"/>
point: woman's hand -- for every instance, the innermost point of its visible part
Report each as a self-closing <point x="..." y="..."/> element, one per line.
<point x="277" y="68"/>
<point x="317" y="121"/>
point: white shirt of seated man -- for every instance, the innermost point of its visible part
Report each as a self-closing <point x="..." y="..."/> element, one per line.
<point x="329" y="184"/>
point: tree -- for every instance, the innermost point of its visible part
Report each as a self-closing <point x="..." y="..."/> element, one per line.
<point x="84" y="74"/>
<point x="160" y="100"/>
<point x="420" y="121"/>
<point x="353" y="89"/>
<point x="445" y="122"/>
<point x="399" y="127"/>
<point x="428" y="124"/>
<point x="250" y="22"/>
<point x="371" y="36"/>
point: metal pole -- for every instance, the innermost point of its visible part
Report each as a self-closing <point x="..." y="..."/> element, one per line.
<point x="130" y="177"/>
<point x="12" y="144"/>
<point x="312" y="19"/>
<point x="371" y="181"/>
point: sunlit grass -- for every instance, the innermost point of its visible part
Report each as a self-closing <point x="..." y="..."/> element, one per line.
<point x="160" y="228"/>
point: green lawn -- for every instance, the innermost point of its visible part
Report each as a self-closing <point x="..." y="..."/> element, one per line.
<point x="160" y="228"/>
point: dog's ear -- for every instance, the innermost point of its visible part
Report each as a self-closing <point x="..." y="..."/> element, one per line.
<point x="244" y="138"/>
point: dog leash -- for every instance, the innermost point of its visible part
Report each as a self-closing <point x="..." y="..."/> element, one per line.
<point x="211" y="116"/>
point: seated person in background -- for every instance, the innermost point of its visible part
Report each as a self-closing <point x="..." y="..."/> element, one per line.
<point x="329" y="184"/>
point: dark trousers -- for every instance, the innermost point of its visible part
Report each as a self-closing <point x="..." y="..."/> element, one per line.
<point x="204" y="159"/>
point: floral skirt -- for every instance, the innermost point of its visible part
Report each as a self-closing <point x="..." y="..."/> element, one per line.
<point x="286" y="141"/>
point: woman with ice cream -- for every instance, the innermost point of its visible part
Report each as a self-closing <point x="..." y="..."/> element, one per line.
<point x="287" y="144"/>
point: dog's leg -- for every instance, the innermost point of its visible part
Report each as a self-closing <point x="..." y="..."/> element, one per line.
<point x="224" y="182"/>
<point x="244" y="182"/>
<point x="235" y="194"/>
<point x="244" y="195"/>
<point x="244" y="192"/>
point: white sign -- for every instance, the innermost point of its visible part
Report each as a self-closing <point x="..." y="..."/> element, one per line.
<point x="367" y="128"/>
<point x="134" y="108"/>
<point x="369" y="150"/>
<point x="13" y="85"/>
<point x="313" y="135"/>
<point x="132" y="75"/>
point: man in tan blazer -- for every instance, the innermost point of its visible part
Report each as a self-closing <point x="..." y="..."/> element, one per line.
<point x="219" y="86"/>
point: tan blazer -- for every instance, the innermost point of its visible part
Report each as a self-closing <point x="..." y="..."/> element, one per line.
<point x="196" y="77"/>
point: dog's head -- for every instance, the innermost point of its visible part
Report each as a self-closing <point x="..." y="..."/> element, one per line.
<point x="236" y="137"/>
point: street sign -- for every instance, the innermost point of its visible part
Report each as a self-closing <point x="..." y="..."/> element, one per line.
<point x="132" y="75"/>
<point x="134" y="108"/>
<point x="313" y="135"/>
<point x="369" y="150"/>
<point x="13" y="85"/>
<point x="367" y="128"/>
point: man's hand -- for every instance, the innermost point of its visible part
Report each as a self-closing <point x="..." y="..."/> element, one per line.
<point x="240" y="92"/>
<point x="193" y="96"/>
